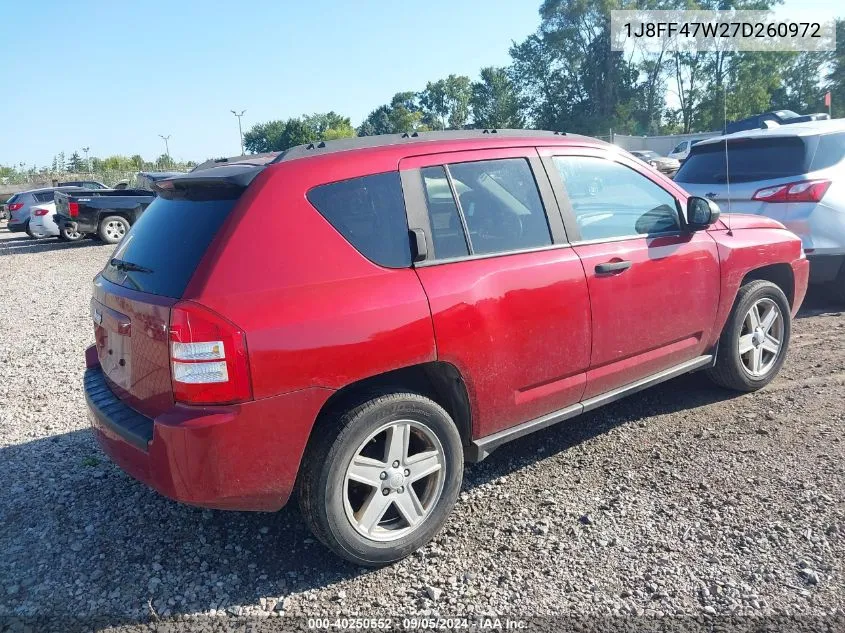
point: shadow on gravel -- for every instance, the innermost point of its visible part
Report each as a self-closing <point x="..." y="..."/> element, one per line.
<point x="75" y="520"/>
<point x="817" y="302"/>
<point x="25" y="245"/>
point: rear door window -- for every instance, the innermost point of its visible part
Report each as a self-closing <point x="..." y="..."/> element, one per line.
<point x="166" y="245"/>
<point x="749" y="159"/>
<point x="370" y="213"/>
<point x="44" y="196"/>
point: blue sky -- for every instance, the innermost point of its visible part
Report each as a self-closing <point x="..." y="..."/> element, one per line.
<point x="113" y="76"/>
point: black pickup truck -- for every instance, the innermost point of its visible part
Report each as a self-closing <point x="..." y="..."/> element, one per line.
<point x="106" y="213"/>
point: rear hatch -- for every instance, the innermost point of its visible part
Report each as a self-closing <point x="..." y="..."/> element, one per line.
<point x="135" y="294"/>
<point x="753" y="164"/>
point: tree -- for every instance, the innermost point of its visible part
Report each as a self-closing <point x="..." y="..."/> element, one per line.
<point x="377" y="122"/>
<point x="264" y="137"/>
<point x="75" y="164"/>
<point x="445" y="102"/>
<point x="402" y="114"/>
<point x="495" y="102"/>
<point x="567" y="74"/>
<point x="835" y="79"/>
<point x="276" y="136"/>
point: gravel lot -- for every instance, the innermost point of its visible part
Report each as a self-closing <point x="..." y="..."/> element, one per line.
<point x="682" y="500"/>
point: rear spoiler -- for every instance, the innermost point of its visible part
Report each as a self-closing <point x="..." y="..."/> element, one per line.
<point x="226" y="181"/>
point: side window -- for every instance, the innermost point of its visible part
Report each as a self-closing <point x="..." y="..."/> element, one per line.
<point x="370" y="213"/>
<point x="447" y="232"/>
<point x="501" y="205"/>
<point x="680" y="147"/>
<point x="830" y="151"/>
<point x="610" y="200"/>
<point x="46" y="196"/>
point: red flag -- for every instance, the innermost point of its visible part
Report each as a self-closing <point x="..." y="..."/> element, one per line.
<point x="827" y="99"/>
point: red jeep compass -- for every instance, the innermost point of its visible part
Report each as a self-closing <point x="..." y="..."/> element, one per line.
<point x="355" y="319"/>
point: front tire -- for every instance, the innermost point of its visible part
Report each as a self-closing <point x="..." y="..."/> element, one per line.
<point x="112" y="229"/>
<point x="755" y="340"/>
<point x="381" y="483"/>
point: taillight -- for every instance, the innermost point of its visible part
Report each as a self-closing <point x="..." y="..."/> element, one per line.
<point x="208" y="357"/>
<point x="73" y="209"/>
<point x="802" y="191"/>
<point x="15" y="206"/>
<point x="40" y="212"/>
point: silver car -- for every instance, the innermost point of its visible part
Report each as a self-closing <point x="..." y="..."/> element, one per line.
<point x="794" y="174"/>
<point x="20" y="206"/>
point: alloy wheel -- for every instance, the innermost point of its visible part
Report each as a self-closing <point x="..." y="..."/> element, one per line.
<point x="394" y="480"/>
<point x="761" y="338"/>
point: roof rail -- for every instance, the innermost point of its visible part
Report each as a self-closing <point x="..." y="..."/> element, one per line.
<point x="382" y="140"/>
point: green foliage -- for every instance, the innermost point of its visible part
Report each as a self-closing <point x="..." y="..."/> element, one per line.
<point x="275" y="136"/>
<point x="445" y="103"/>
<point x="495" y="102"/>
<point x="75" y="164"/>
<point x="835" y="79"/>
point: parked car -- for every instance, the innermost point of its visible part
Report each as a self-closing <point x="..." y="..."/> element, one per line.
<point x="773" y="119"/>
<point x="21" y="204"/>
<point x="663" y="164"/>
<point x="354" y="320"/>
<point x="85" y="184"/>
<point x="106" y="213"/>
<point x="682" y="150"/>
<point x="794" y="174"/>
<point x="42" y="220"/>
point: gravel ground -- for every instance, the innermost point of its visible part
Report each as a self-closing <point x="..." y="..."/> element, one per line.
<point x="681" y="500"/>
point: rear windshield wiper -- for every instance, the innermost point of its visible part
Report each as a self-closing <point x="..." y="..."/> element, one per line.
<point x="128" y="266"/>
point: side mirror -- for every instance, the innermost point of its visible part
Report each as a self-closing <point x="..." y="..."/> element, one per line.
<point x="701" y="213"/>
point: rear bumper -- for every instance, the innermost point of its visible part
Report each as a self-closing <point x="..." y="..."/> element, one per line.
<point x="237" y="457"/>
<point x="825" y="268"/>
<point x="81" y="225"/>
<point x="16" y="227"/>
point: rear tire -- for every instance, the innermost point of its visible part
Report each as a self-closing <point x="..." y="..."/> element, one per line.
<point x="112" y="228"/>
<point x="68" y="235"/>
<point x="356" y="499"/>
<point x="755" y="340"/>
<point x="29" y="231"/>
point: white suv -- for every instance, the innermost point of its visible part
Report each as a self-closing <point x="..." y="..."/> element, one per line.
<point x="794" y="174"/>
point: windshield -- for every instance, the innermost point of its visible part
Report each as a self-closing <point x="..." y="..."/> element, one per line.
<point x="164" y="247"/>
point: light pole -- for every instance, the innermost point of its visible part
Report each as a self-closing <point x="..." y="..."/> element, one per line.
<point x="87" y="160"/>
<point x="166" y="147"/>
<point x="240" y="129"/>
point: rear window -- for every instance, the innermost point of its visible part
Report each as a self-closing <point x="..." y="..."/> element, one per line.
<point x="13" y="198"/>
<point x="748" y="159"/>
<point x="167" y="243"/>
<point x="370" y="213"/>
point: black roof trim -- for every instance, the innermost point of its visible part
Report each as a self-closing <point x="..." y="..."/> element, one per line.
<point x="236" y="175"/>
<point x="383" y="140"/>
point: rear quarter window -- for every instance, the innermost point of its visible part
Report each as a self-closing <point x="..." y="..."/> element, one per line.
<point x="370" y="213"/>
<point x="748" y="160"/>
<point x="830" y="151"/>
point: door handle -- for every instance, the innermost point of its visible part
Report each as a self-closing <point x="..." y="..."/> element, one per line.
<point x="612" y="267"/>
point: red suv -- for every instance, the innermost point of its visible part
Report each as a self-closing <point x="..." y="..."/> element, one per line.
<point x="356" y="319"/>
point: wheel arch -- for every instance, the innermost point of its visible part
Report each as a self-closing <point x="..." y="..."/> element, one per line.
<point x="438" y="380"/>
<point x="779" y="274"/>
